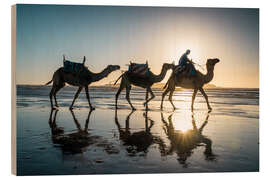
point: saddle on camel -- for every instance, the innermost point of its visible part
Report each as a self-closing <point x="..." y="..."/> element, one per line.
<point x="186" y="71"/>
<point x="141" y="70"/>
<point x="73" y="67"/>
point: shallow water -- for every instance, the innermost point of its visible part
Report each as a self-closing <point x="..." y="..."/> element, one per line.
<point x="106" y="141"/>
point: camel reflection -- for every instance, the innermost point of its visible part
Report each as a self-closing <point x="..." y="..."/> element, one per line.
<point x="138" y="141"/>
<point x="183" y="143"/>
<point x="71" y="142"/>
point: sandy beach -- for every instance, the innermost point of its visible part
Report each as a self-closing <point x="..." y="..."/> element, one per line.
<point x="105" y="141"/>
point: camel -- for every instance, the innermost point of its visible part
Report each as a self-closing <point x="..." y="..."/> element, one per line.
<point x="82" y="80"/>
<point x="183" y="143"/>
<point x="195" y="83"/>
<point x="144" y="82"/>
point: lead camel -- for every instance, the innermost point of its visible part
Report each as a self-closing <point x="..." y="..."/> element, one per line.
<point x="195" y="83"/>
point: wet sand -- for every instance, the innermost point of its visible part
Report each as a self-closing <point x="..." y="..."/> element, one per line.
<point x="106" y="141"/>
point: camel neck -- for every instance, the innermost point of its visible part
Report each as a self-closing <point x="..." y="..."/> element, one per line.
<point x="98" y="76"/>
<point x="209" y="76"/>
<point x="160" y="77"/>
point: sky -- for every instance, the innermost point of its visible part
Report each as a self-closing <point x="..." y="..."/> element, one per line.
<point x="117" y="34"/>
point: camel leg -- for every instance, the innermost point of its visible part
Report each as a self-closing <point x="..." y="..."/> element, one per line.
<point x="163" y="96"/>
<point x="118" y="93"/>
<point x="146" y="98"/>
<point x="88" y="98"/>
<point x="128" y="88"/>
<point x="152" y="96"/>
<point x="206" y="98"/>
<point x="87" y="121"/>
<point x="55" y="91"/>
<point x="51" y="95"/>
<point x="50" y="118"/>
<point x="204" y="124"/>
<point x="170" y="97"/>
<point x="193" y="98"/>
<point x="75" y="97"/>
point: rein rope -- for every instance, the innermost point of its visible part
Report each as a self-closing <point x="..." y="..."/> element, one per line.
<point x="199" y="65"/>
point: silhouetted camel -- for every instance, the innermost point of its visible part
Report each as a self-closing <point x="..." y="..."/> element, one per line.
<point x="195" y="83"/>
<point x="129" y="79"/>
<point x="82" y="80"/>
<point x="183" y="143"/>
<point x="138" y="141"/>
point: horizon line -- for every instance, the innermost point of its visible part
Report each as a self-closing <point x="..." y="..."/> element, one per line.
<point x="217" y="87"/>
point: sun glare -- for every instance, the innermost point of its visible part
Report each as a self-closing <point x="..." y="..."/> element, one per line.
<point x="196" y="54"/>
<point x="182" y="121"/>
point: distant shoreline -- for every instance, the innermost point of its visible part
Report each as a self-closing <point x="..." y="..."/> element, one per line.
<point x="154" y="87"/>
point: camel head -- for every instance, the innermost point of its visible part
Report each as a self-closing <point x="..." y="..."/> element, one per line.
<point x="168" y="66"/>
<point x="112" y="68"/>
<point x="210" y="64"/>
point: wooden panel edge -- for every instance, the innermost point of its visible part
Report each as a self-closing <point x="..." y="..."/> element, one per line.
<point x="13" y="91"/>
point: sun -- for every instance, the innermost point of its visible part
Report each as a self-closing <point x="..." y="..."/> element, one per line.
<point x="194" y="46"/>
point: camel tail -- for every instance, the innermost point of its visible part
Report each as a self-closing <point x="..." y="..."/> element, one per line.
<point x="168" y="81"/>
<point x="166" y="84"/>
<point x="48" y="83"/>
<point x="117" y="79"/>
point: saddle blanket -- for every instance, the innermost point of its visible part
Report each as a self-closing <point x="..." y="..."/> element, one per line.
<point x="138" y="69"/>
<point x="72" y="66"/>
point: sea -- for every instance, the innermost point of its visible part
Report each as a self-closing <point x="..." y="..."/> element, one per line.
<point x="123" y="141"/>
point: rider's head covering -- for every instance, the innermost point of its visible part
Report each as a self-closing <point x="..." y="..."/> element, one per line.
<point x="187" y="51"/>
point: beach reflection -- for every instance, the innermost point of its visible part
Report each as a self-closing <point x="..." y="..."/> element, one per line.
<point x="139" y="141"/>
<point x="71" y="142"/>
<point x="183" y="142"/>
